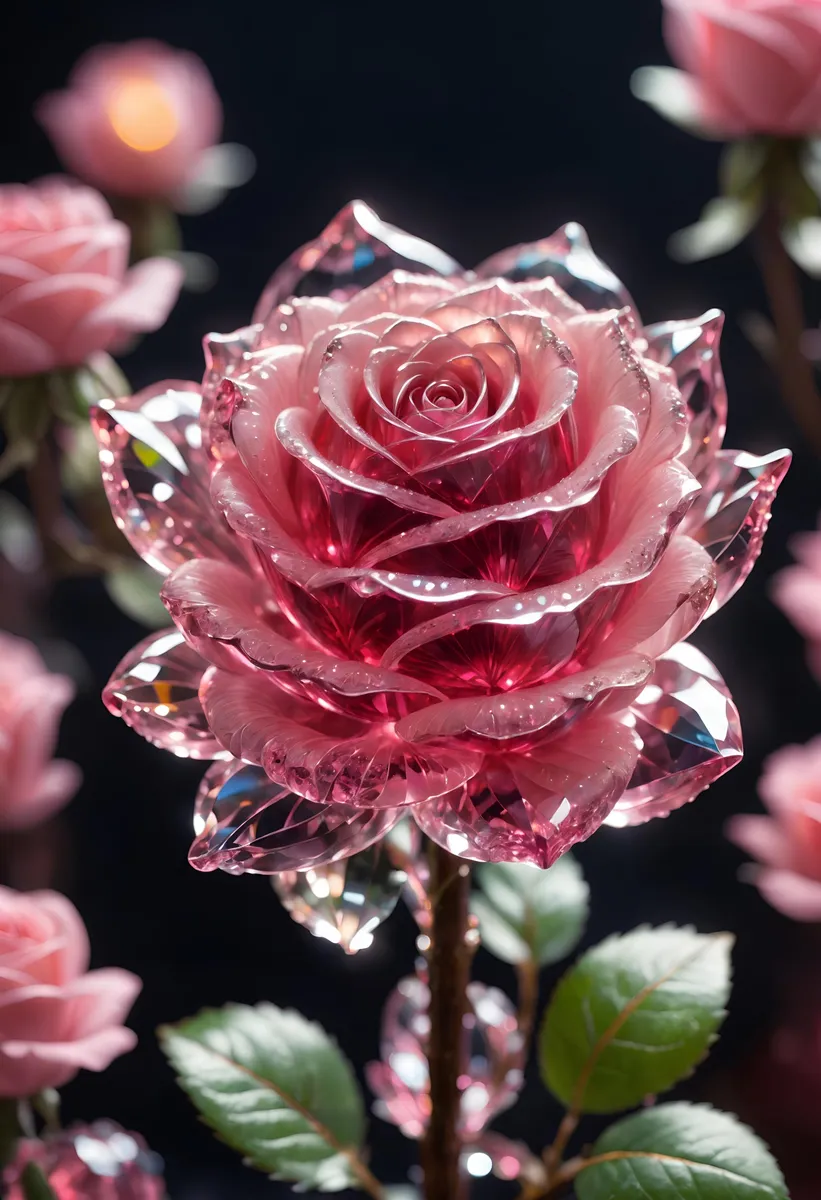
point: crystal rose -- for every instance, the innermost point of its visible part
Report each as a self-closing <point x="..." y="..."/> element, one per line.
<point x="136" y="119"/>
<point x="56" y="1016"/>
<point x="749" y="66"/>
<point x="433" y="544"/>
<point x="32" y="700"/>
<point x="797" y="592"/>
<point x="90" y="1162"/>
<point x="65" y="290"/>
<point x="788" y="842"/>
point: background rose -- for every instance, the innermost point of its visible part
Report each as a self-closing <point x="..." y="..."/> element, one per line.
<point x="797" y="591"/>
<point x="32" y="701"/>
<point x="135" y="119"/>
<point x="56" y="1016"/>
<point x="788" y="842"/>
<point x="455" y="534"/>
<point x="754" y="65"/>
<point x="65" y="287"/>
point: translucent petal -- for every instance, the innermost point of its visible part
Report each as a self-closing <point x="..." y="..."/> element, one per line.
<point x="224" y="358"/>
<point x="245" y="823"/>
<point x="353" y="251"/>
<point x="326" y="757"/>
<point x="345" y="901"/>
<point x="729" y="517"/>
<point x="567" y="257"/>
<point x="690" y="733"/>
<point x="492" y="1050"/>
<point x="532" y="807"/>
<point x="692" y="351"/>
<point x="156" y="476"/>
<point x="406" y="850"/>
<point x="155" y="691"/>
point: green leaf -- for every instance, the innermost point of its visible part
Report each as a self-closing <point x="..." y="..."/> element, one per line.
<point x="526" y="913"/>
<point x="135" y="589"/>
<point x="742" y="166"/>
<point x="634" y="1016"/>
<point x="680" y="1152"/>
<point x="724" y="222"/>
<point x="274" y="1086"/>
<point x="35" y="1184"/>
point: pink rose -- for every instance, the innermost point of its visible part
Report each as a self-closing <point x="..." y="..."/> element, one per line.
<point x="433" y="542"/>
<point x="749" y="67"/>
<point x="90" y="1162"/>
<point x="32" y="700"/>
<point x="65" y="287"/>
<point x="788" y="842"/>
<point x="797" y="592"/>
<point x="135" y="119"/>
<point x="56" y="1016"/>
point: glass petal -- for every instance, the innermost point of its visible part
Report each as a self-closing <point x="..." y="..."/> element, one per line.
<point x="155" y="689"/>
<point x="407" y="853"/>
<point x="493" y="1055"/>
<point x="101" y="1161"/>
<point x="729" y="517"/>
<point x="224" y="358"/>
<point x="344" y="901"/>
<point x="156" y="476"/>
<point x="567" y="257"/>
<point x="245" y="823"/>
<point x="353" y="251"/>
<point x="692" y="351"/>
<point x="690" y="733"/>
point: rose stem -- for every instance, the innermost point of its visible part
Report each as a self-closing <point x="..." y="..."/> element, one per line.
<point x="45" y="497"/>
<point x="528" y="977"/>
<point x="449" y="974"/>
<point x="783" y="287"/>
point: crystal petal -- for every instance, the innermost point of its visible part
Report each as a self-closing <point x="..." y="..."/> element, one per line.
<point x="353" y="251"/>
<point x="346" y="900"/>
<point x="328" y="758"/>
<point x="156" y="476"/>
<point x="533" y="807"/>
<point x="155" y="691"/>
<point x="101" y="1161"/>
<point x="224" y="358"/>
<point x="690" y="733"/>
<point x="691" y="349"/>
<point x="729" y="517"/>
<point x="567" y="257"/>
<point x="404" y="847"/>
<point x="245" y="823"/>
<point x="493" y="1055"/>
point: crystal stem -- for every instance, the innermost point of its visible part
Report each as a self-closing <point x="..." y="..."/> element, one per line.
<point x="786" y="305"/>
<point x="449" y="973"/>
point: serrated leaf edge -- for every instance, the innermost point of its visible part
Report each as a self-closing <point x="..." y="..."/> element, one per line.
<point x="581" y="1164"/>
<point x="577" y="1096"/>
<point x="350" y="1152"/>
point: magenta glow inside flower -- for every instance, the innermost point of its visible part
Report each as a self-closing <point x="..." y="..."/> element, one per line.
<point x="434" y="539"/>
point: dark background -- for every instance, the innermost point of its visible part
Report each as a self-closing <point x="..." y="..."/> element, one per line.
<point x="475" y="127"/>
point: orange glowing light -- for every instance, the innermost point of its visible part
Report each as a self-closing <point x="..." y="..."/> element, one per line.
<point x="142" y="115"/>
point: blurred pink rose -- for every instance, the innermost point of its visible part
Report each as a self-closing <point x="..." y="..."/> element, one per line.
<point x="56" y="1016"/>
<point x="797" y="592"/>
<point x="90" y="1162"/>
<point x="749" y="67"/>
<point x="788" y="842"/>
<point x="32" y="700"/>
<point x="135" y="119"/>
<point x="65" y="290"/>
